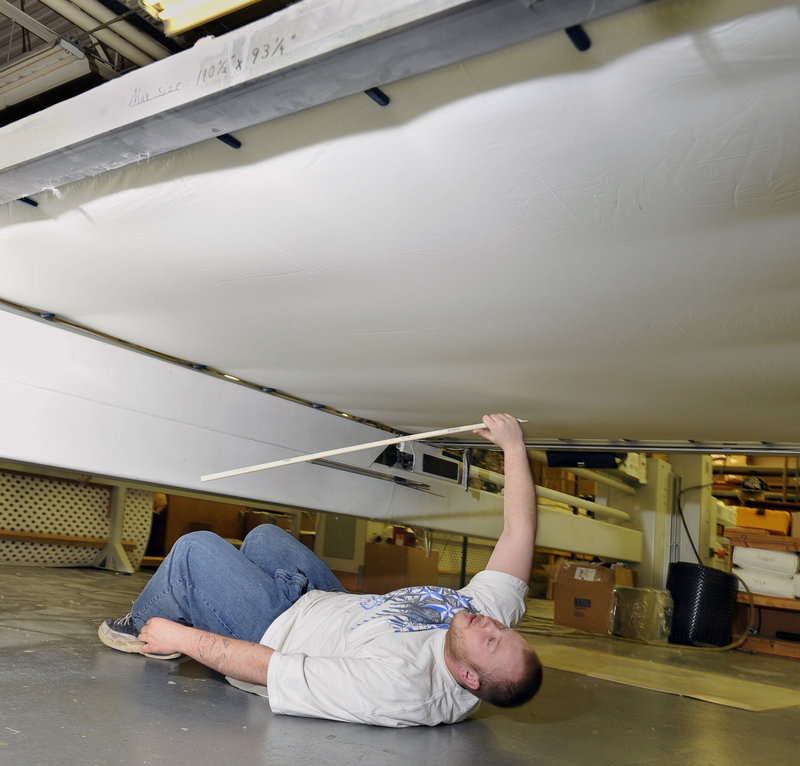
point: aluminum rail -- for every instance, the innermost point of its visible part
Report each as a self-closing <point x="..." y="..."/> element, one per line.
<point x="688" y="446"/>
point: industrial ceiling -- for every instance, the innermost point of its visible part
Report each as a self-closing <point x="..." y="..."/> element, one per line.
<point x="602" y="241"/>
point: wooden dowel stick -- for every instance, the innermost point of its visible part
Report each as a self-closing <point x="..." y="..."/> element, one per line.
<point x="342" y="451"/>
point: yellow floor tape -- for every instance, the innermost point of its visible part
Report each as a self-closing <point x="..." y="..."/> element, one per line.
<point x="711" y="687"/>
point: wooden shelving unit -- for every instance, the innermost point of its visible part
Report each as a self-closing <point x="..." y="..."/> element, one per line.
<point x="752" y="538"/>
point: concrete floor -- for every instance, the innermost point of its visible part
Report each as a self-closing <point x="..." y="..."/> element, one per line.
<point x="66" y="699"/>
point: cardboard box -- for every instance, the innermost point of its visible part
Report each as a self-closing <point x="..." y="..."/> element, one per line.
<point x="795" y="526"/>
<point x="775" y="522"/>
<point x="584" y="595"/>
<point x="389" y="567"/>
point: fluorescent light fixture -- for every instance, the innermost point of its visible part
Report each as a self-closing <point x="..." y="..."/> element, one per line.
<point x="180" y="15"/>
<point x="42" y="70"/>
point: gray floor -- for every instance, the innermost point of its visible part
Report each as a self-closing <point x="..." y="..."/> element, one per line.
<point x="66" y="699"/>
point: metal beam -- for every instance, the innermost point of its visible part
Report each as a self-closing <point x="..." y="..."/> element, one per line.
<point x="689" y="446"/>
<point x="307" y="54"/>
<point x="27" y="22"/>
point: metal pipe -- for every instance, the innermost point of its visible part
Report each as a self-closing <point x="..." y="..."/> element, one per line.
<point x="106" y="36"/>
<point x="133" y="35"/>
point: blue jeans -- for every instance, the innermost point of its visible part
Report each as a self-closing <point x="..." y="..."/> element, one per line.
<point x="209" y="583"/>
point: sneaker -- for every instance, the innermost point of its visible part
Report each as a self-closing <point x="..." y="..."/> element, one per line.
<point x="122" y="635"/>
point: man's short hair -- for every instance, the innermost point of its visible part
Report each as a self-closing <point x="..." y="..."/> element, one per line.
<point x="504" y="691"/>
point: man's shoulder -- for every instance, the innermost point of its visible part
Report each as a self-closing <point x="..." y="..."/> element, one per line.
<point x="498" y="594"/>
<point x="490" y="580"/>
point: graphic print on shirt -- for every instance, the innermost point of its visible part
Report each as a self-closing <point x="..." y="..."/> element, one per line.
<point x="419" y="607"/>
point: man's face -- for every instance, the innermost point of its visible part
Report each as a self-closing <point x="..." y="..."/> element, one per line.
<point x="485" y="644"/>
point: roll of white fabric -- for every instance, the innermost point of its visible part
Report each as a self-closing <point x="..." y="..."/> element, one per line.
<point x="767" y="583"/>
<point x="780" y="562"/>
<point x="796" y="581"/>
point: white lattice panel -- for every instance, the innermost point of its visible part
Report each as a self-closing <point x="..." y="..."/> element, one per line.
<point x="137" y="523"/>
<point x="48" y="505"/>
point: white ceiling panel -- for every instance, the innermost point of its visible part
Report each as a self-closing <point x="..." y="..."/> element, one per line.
<point x="605" y="243"/>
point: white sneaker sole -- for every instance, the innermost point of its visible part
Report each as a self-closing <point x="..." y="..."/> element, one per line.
<point x="125" y="643"/>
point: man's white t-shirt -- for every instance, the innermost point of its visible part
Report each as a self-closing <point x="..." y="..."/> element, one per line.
<point x="380" y="659"/>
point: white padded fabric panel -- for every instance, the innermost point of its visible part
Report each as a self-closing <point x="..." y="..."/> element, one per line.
<point x="48" y="505"/>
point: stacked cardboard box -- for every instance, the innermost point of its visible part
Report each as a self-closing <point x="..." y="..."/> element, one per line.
<point x="584" y="595"/>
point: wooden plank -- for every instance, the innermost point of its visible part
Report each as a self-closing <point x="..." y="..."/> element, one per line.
<point x="773" y="602"/>
<point x="754" y="538"/>
<point x="771" y="646"/>
<point x="15" y="535"/>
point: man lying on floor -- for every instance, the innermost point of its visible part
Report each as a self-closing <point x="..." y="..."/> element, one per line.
<point x="274" y="619"/>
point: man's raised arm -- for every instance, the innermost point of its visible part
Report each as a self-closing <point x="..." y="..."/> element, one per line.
<point x="513" y="552"/>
